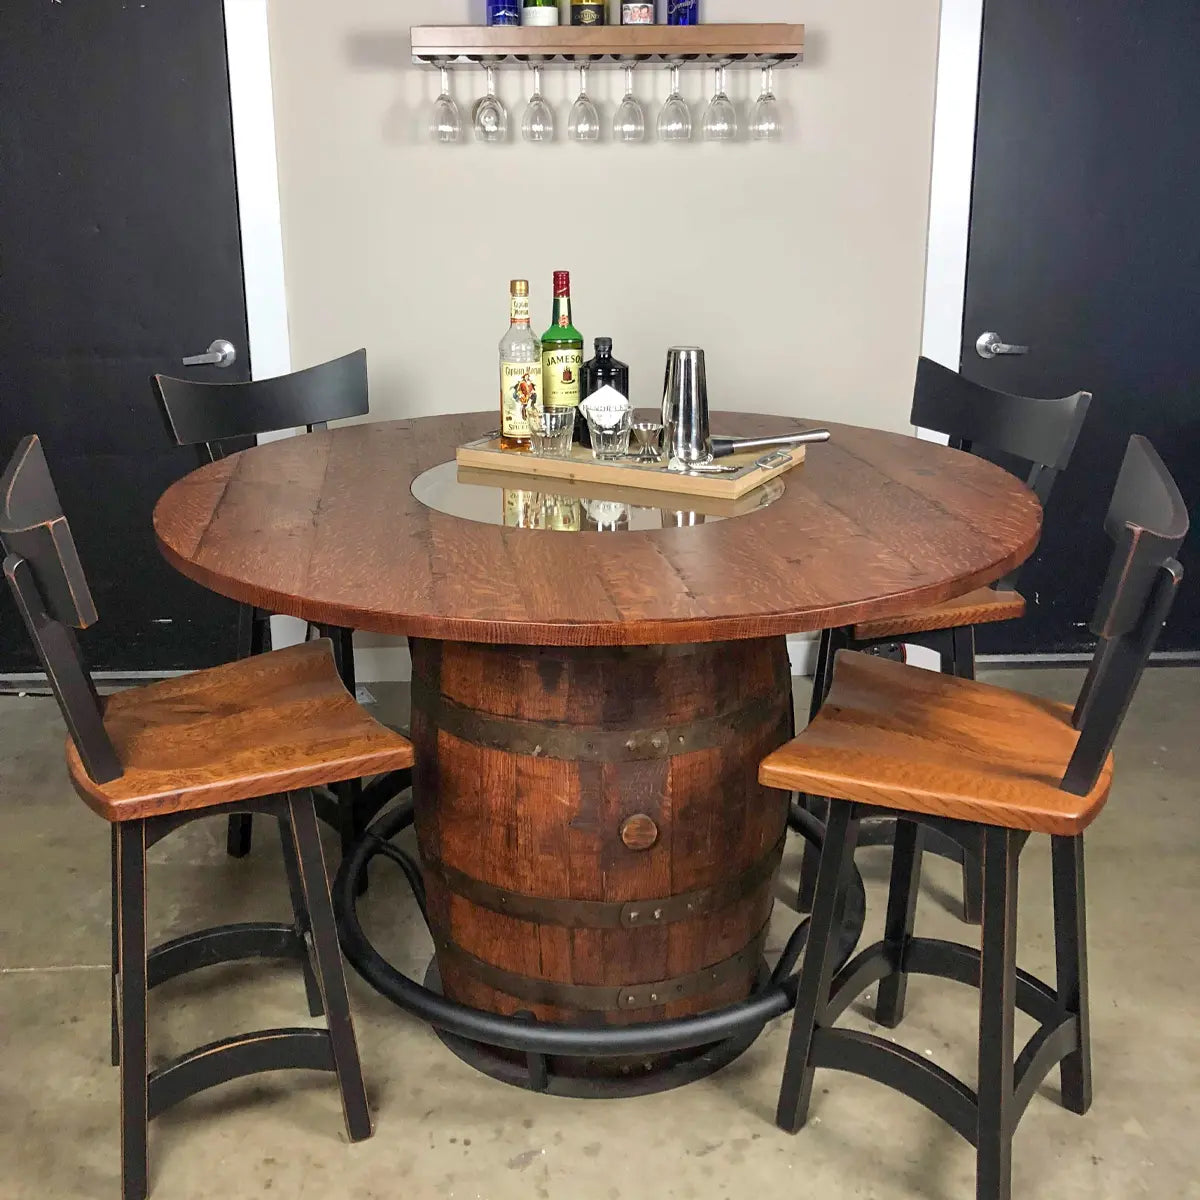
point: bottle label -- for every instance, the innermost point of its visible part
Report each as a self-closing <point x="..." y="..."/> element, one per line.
<point x="637" y="14"/>
<point x="520" y="389"/>
<point x="561" y="370"/>
<point x="585" y="13"/>
<point x="520" y="310"/>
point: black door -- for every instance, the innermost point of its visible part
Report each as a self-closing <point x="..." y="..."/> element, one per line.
<point x="119" y="254"/>
<point x="1084" y="247"/>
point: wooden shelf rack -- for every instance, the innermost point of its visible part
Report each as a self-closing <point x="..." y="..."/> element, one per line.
<point x="609" y="45"/>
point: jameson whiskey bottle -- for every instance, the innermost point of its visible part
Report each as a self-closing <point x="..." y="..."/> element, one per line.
<point x="520" y="372"/>
<point x="562" y="351"/>
<point x="583" y="12"/>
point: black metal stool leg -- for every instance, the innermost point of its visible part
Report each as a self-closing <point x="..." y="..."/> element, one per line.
<point x="831" y="641"/>
<point x="300" y="913"/>
<point x="250" y="642"/>
<point x="315" y="883"/>
<point x="131" y="966"/>
<point x="816" y="975"/>
<point x="1070" y="944"/>
<point x="997" y="1010"/>
<point x="900" y="921"/>
<point x="114" y="992"/>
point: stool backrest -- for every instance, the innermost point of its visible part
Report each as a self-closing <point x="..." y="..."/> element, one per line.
<point x="47" y="581"/>
<point x="208" y="414"/>
<point x="1148" y="520"/>
<point x="1042" y="432"/>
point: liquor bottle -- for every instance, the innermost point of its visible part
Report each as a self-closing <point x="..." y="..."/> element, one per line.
<point x="605" y="371"/>
<point x="586" y="12"/>
<point x="539" y="12"/>
<point x="562" y="353"/>
<point x="504" y="12"/>
<point x="520" y="372"/>
<point x="683" y="12"/>
<point x="640" y="13"/>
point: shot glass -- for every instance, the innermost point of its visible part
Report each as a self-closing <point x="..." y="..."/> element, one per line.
<point x="648" y="435"/>
<point x="551" y="431"/>
<point x="611" y="441"/>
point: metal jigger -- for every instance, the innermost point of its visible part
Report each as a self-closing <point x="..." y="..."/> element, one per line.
<point x="685" y="406"/>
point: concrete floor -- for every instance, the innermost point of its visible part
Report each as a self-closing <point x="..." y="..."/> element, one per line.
<point x="445" y="1132"/>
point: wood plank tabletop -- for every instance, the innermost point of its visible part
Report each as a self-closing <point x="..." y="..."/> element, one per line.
<point x="324" y="527"/>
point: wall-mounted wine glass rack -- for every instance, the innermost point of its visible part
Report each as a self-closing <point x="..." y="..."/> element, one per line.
<point x="609" y="45"/>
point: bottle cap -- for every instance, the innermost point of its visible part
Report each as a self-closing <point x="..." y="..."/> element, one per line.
<point x="562" y="283"/>
<point x="603" y="346"/>
<point x="519" y="287"/>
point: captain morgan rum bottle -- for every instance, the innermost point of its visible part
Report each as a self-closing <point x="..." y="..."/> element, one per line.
<point x="562" y="350"/>
<point x="520" y="371"/>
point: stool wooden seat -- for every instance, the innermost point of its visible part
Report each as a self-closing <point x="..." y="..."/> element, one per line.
<point x="1041" y="433"/>
<point x="220" y="418"/>
<point x="983" y="606"/>
<point x="251" y="737"/>
<point x="921" y="742"/>
<point x="985" y="768"/>
<point x="274" y="723"/>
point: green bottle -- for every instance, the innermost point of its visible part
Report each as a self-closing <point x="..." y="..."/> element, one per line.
<point x="562" y="357"/>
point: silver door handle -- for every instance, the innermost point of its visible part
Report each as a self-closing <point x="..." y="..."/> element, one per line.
<point x="990" y="345"/>
<point x="220" y="354"/>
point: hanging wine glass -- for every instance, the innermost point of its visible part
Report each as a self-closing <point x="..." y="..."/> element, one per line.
<point x="584" y="125"/>
<point x="629" y="125"/>
<point x="720" y="118"/>
<point x="538" y="122"/>
<point x="675" y="120"/>
<point x="446" y="124"/>
<point x="765" y="122"/>
<point x="491" y="117"/>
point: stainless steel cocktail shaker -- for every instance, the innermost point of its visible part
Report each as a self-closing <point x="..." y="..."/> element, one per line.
<point x="685" y="406"/>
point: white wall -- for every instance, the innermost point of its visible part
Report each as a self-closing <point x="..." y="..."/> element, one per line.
<point x="800" y="266"/>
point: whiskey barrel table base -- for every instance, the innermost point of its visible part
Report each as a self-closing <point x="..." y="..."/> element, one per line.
<point x="474" y="1034"/>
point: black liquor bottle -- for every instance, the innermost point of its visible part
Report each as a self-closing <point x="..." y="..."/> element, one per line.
<point x="603" y="371"/>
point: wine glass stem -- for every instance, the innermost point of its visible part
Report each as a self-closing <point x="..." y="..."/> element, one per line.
<point x="537" y="81"/>
<point x="628" y="81"/>
<point x="768" y="80"/>
<point x="491" y="81"/>
<point x="583" y="78"/>
<point x="674" y="81"/>
<point x="445" y="81"/>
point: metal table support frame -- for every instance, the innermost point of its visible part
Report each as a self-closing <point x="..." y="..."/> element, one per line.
<point x="741" y="1023"/>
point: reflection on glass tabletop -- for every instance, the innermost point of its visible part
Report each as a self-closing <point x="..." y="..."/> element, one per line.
<point x="496" y="498"/>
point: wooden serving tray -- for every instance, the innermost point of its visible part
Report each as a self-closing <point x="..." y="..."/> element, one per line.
<point x="486" y="455"/>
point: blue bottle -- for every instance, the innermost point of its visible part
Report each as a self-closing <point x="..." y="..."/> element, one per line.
<point x="504" y="12"/>
<point x="683" y="12"/>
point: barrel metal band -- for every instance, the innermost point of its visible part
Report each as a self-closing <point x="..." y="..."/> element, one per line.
<point x="606" y="914"/>
<point x="604" y="999"/>
<point x="572" y="743"/>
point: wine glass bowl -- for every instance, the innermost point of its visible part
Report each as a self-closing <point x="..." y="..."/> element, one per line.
<point x="765" y="122"/>
<point x="491" y="117"/>
<point x="445" y="125"/>
<point x="720" y="118"/>
<point x="675" y="120"/>
<point x="629" y="124"/>
<point x="538" y="122"/>
<point x="584" y="125"/>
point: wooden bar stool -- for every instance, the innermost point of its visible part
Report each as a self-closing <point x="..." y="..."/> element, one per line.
<point x="1041" y="434"/>
<point x="252" y="736"/>
<point x="220" y="418"/>
<point x="986" y="767"/>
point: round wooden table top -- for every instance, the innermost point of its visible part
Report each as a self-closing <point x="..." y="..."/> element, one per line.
<point x="325" y="527"/>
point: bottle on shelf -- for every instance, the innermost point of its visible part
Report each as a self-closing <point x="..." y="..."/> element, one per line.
<point x="504" y="12"/>
<point x="539" y="12"/>
<point x="683" y="12"/>
<point x="562" y="354"/>
<point x="588" y="12"/>
<point x="639" y="13"/>
<point x="605" y="371"/>
<point x="520" y="371"/>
